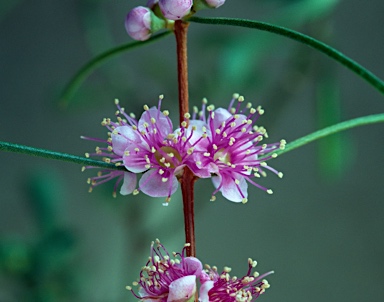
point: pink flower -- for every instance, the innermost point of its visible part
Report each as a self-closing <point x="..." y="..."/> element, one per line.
<point x="150" y="146"/>
<point x="168" y="280"/>
<point x="233" y="154"/>
<point x="138" y="23"/>
<point x="224" y="288"/>
<point x="175" y="9"/>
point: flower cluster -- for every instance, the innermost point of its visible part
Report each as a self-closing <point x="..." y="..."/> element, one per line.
<point x="222" y="144"/>
<point x="165" y="279"/>
<point x="142" y="21"/>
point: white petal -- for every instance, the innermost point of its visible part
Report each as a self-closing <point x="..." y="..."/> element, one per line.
<point x="204" y="289"/>
<point x="129" y="184"/>
<point x="182" y="289"/>
<point x="229" y="189"/>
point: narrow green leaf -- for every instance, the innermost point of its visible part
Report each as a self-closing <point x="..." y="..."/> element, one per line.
<point x="87" y="69"/>
<point x="320" y="46"/>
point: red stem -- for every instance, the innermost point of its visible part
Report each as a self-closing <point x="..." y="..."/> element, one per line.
<point x="188" y="179"/>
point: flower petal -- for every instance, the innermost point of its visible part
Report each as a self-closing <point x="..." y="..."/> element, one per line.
<point x="151" y="183"/>
<point x="230" y="189"/>
<point x="134" y="159"/>
<point x="204" y="289"/>
<point x="193" y="266"/>
<point x="123" y="136"/>
<point x="129" y="184"/>
<point x="182" y="289"/>
<point x="163" y="123"/>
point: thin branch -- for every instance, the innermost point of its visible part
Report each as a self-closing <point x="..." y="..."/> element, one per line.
<point x="312" y="42"/>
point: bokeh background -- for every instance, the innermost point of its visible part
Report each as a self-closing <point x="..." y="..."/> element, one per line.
<point x="321" y="230"/>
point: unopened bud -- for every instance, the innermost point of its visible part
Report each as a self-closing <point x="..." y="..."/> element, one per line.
<point x="175" y="9"/>
<point x="141" y="22"/>
<point x="215" y="3"/>
<point x="151" y="3"/>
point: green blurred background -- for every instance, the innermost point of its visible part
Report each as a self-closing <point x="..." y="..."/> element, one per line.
<point x="321" y="230"/>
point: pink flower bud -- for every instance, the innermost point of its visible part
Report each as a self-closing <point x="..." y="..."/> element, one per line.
<point x="215" y="3"/>
<point x="175" y="9"/>
<point x="151" y="3"/>
<point x="138" y="23"/>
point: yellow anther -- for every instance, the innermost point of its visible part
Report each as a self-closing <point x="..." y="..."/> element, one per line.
<point x="269" y="191"/>
<point x="187" y="115"/>
<point x="146" y="108"/>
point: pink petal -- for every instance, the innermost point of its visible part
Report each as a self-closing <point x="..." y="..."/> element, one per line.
<point x="204" y="289"/>
<point x="193" y="266"/>
<point x="129" y="184"/>
<point x="182" y="289"/>
<point x="163" y="123"/>
<point x="135" y="161"/>
<point x="221" y="115"/>
<point x="151" y="184"/>
<point x="125" y="136"/>
<point x="229" y="189"/>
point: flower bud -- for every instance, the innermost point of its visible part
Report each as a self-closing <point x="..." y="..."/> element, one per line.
<point x="151" y="3"/>
<point x="138" y="23"/>
<point x="175" y="9"/>
<point x="215" y="3"/>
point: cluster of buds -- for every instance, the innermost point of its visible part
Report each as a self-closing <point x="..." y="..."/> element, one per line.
<point x="221" y="144"/>
<point x="142" y="21"/>
<point x="167" y="278"/>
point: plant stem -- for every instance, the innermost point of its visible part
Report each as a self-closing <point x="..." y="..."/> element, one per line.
<point x="360" y="121"/>
<point x="181" y="30"/>
<point x="10" y="147"/>
<point x="289" y="33"/>
<point x="188" y="179"/>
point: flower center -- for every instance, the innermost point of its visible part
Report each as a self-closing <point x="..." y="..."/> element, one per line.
<point x="168" y="157"/>
<point x="223" y="156"/>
